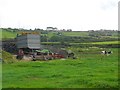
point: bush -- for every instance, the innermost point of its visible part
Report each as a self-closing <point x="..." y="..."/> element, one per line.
<point x="7" y="57"/>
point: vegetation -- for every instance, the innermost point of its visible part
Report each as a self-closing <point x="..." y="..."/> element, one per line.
<point x="66" y="36"/>
<point x="7" y="34"/>
<point x="89" y="70"/>
<point x="7" y="57"/>
<point x="76" y="33"/>
<point x="100" y="33"/>
<point x="106" y="42"/>
<point x="0" y="75"/>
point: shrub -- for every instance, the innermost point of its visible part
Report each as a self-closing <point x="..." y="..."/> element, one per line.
<point x="7" y="57"/>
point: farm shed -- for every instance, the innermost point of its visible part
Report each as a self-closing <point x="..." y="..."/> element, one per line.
<point x="31" y="41"/>
<point x="27" y="43"/>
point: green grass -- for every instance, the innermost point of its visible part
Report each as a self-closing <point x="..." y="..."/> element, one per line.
<point x="6" y="34"/>
<point x="50" y="34"/>
<point x="100" y="43"/>
<point x="73" y="33"/>
<point x="0" y="75"/>
<point x="90" y="70"/>
<point x="76" y="33"/>
<point x="7" y="57"/>
<point x="50" y="43"/>
<point x="97" y="43"/>
<point x="106" y="42"/>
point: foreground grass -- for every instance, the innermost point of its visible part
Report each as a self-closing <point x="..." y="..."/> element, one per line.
<point x="88" y="71"/>
<point x="0" y="75"/>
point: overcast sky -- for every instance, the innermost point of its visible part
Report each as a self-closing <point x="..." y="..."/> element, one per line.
<point x="64" y="14"/>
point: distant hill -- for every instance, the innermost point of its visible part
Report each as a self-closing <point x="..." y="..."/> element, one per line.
<point x="65" y="36"/>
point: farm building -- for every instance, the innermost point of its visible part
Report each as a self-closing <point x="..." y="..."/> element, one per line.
<point x="31" y="41"/>
<point x="27" y="46"/>
<point x="28" y="42"/>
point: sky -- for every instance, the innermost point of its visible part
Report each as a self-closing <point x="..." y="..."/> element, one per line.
<point x="78" y="15"/>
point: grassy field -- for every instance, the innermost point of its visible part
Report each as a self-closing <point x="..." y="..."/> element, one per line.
<point x="89" y="70"/>
<point x="0" y="75"/>
<point x="9" y="34"/>
<point x="99" y="43"/>
<point x="6" y="34"/>
<point x="106" y="42"/>
<point x="75" y="33"/>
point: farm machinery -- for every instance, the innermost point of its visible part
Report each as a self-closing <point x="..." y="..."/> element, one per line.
<point x="46" y="54"/>
<point x="28" y="44"/>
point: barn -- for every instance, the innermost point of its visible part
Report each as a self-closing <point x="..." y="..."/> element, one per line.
<point x="28" y="42"/>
